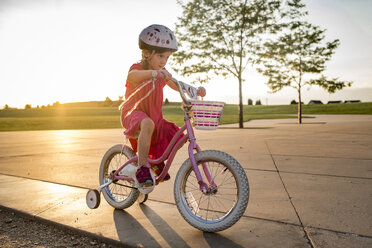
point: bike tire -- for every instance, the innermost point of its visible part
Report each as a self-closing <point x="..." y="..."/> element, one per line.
<point x="232" y="191"/>
<point x="116" y="195"/>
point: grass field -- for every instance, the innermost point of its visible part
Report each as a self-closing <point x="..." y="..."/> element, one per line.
<point x="75" y="117"/>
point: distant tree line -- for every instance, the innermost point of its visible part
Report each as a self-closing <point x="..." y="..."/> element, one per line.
<point x="106" y="103"/>
<point x="258" y="102"/>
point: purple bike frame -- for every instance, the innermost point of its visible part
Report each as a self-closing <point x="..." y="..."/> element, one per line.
<point x="175" y="145"/>
<point x="169" y="155"/>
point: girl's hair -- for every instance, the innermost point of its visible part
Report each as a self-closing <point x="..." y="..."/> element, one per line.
<point x="144" y="61"/>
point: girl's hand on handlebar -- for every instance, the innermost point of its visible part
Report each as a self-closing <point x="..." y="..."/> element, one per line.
<point x="165" y="75"/>
<point x="201" y="91"/>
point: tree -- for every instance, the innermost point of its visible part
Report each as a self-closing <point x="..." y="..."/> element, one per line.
<point x="258" y="102"/>
<point x="218" y="37"/>
<point x="107" y="102"/>
<point x="294" y="56"/>
<point x="250" y="101"/>
<point x="56" y="104"/>
<point x="28" y="106"/>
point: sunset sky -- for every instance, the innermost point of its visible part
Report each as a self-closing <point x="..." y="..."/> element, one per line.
<point x="81" y="50"/>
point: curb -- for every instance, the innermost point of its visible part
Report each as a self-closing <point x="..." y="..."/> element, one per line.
<point x="65" y="227"/>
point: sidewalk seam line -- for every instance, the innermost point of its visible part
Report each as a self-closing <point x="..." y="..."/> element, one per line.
<point x="290" y="200"/>
<point x="51" y="207"/>
<point x="309" y="174"/>
<point x="44" y="181"/>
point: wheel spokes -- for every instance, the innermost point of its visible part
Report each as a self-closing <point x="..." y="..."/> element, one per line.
<point x="212" y="207"/>
<point x="118" y="192"/>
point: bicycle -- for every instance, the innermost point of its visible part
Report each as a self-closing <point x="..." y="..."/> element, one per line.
<point x="211" y="199"/>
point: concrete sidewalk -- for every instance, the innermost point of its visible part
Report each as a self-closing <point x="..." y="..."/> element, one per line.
<point x="311" y="185"/>
<point x="153" y="224"/>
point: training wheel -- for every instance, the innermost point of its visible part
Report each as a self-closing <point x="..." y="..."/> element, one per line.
<point x="142" y="198"/>
<point x="93" y="198"/>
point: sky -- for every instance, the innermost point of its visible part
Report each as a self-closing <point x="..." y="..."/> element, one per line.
<point x="81" y="50"/>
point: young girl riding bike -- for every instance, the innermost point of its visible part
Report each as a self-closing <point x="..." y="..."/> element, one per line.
<point x="211" y="189"/>
<point x="141" y="113"/>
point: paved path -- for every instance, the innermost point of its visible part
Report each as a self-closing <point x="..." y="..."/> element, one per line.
<point x="311" y="184"/>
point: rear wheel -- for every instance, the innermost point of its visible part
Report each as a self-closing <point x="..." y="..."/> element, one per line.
<point x="117" y="194"/>
<point x="223" y="206"/>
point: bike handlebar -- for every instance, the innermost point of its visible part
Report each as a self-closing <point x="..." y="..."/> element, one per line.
<point x="183" y="87"/>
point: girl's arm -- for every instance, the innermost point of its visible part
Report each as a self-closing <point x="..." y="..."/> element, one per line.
<point x="137" y="76"/>
<point x="200" y="90"/>
<point x="172" y="84"/>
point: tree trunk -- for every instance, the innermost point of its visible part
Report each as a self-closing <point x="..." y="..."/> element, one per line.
<point x="240" y="104"/>
<point x="299" y="111"/>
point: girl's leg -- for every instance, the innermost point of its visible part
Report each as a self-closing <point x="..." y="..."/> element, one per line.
<point x="144" y="140"/>
<point x="143" y="173"/>
<point x="140" y="172"/>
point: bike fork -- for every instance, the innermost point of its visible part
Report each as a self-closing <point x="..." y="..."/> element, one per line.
<point x="202" y="185"/>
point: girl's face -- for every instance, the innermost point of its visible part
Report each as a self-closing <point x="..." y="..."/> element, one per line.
<point x="158" y="60"/>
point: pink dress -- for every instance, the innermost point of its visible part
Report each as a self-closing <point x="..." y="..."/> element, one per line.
<point x="151" y="107"/>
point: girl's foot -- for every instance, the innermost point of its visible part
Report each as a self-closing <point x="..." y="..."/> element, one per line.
<point x="144" y="177"/>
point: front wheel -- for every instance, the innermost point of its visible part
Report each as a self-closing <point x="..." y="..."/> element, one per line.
<point x="225" y="204"/>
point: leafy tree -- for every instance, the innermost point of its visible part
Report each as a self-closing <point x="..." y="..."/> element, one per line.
<point x="250" y="101"/>
<point x="258" y="102"/>
<point x="56" y="104"/>
<point x="293" y="101"/>
<point x="107" y="102"/>
<point x="6" y="106"/>
<point x="219" y="37"/>
<point x="294" y="56"/>
<point x="28" y="106"/>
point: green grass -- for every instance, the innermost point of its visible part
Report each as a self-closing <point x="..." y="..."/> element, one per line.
<point x="95" y="117"/>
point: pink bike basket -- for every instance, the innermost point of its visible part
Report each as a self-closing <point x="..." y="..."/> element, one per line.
<point x="207" y="114"/>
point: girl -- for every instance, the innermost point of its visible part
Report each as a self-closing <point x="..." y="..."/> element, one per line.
<point x="141" y="112"/>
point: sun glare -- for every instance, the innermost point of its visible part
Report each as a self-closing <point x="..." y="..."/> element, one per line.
<point x="63" y="137"/>
<point x="76" y="51"/>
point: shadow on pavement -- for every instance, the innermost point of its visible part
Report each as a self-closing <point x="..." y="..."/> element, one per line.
<point x="131" y="232"/>
<point x="167" y="232"/>
<point x="217" y="240"/>
<point x="174" y="240"/>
